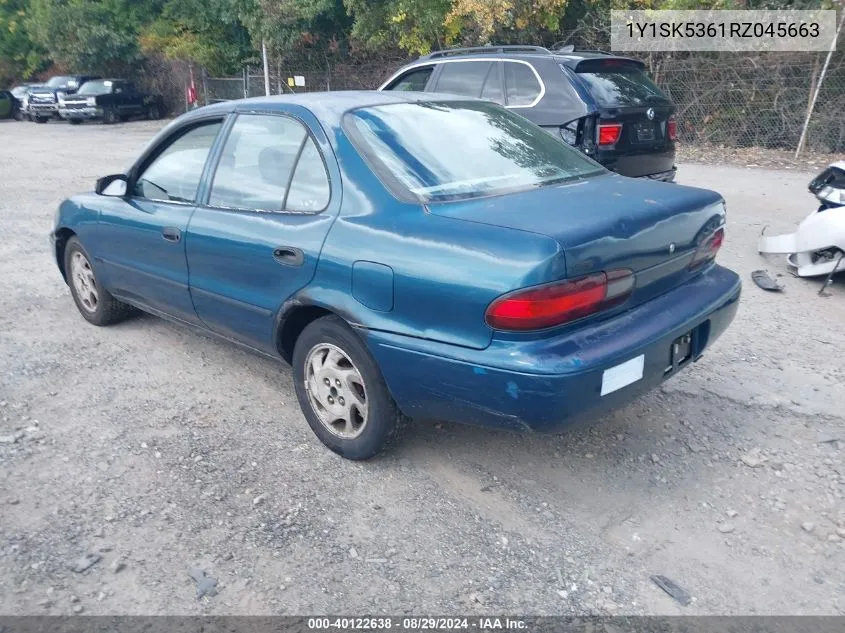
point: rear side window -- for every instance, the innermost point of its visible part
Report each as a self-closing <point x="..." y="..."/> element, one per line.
<point x="270" y="163"/>
<point x="618" y="82"/>
<point x="522" y="85"/>
<point x="492" y="90"/>
<point x="463" y="78"/>
<point x="309" y="189"/>
<point x="413" y="81"/>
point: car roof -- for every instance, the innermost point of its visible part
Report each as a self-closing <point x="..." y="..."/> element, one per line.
<point x="569" y="56"/>
<point x="329" y="107"/>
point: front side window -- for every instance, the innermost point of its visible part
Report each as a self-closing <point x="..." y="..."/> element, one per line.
<point x="412" y="147"/>
<point x="270" y="163"/>
<point x="413" y="81"/>
<point x="174" y="175"/>
<point x="462" y="78"/>
<point x="522" y="85"/>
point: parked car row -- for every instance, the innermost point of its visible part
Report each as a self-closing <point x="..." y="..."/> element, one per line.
<point x="78" y="98"/>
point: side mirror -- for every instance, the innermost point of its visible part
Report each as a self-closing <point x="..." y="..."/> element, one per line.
<point x="115" y="185"/>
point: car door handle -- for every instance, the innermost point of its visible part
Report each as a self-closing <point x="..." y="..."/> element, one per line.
<point x="171" y="234"/>
<point x="288" y="255"/>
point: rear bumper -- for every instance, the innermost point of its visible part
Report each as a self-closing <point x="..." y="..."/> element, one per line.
<point x="657" y="165"/>
<point x="544" y="385"/>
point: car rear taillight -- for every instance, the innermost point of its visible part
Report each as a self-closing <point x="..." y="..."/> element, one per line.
<point x="609" y="133"/>
<point x="708" y="249"/>
<point x="560" y="302"/>
<point x="672" y="128"/>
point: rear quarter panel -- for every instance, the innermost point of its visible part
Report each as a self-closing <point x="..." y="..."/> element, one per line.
<point x="441" y="273"/>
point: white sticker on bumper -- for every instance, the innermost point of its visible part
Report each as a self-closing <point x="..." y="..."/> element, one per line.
<point x="622" y="375"/>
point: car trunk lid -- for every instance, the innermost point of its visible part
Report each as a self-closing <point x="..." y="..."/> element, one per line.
<point x="609" y="222"/>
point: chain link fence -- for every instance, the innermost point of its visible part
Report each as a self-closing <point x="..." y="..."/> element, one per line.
<point x="723" y="99"/>
<point x="306" y="73"/>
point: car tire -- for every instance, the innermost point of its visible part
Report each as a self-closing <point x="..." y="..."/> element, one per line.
<point x="94" y="302"/>
<point x="353" y="413"/>
<point x="74" y="121"/>
<point x="153" y="113"/>
<point x="110" y="116"/>
<point x="40" y="119"/>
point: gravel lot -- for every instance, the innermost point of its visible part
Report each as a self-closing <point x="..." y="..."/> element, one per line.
<point x="154" y="450"/>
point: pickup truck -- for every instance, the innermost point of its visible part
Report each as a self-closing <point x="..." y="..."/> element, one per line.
<point x="109" y="100"/>
<point x="44" y="100"/>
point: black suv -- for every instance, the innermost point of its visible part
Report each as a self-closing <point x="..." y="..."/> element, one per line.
<point x="44" y="99"/>
<point x="604" y="105"/>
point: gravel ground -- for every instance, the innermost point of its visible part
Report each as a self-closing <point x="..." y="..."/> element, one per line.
<point x="131" y="455"/>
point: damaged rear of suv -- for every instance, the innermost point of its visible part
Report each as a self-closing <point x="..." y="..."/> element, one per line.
<point x="603" y="104"/>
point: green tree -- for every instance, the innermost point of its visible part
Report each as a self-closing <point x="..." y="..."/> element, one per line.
<point x="416" y="26"/>
<point x="85" y="36"/>
<point x="502" y="21"/>
<point x="292" y="24"/>
<point x="207" y="32"/>
<point x="20" y="57"/>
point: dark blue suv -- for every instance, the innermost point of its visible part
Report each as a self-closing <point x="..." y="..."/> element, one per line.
<point x="603" y="104"/>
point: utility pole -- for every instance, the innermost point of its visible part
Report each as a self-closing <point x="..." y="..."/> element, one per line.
<point x="803" y="138"/>
<point x="266" y="68"/>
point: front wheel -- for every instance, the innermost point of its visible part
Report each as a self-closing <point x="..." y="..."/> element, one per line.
<point x="153" y="113"/>
<point x="110" y="116"/>
<point x="94" y="302"/>
<point x="74" y="121"/>
<point x="39" y="119"/>
<point x="341" y="391"/>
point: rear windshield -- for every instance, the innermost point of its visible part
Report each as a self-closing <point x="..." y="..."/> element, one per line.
<point x="615" y="82"/>
<point x="61" y="82"/>
<point x="95" y="87"/>
<point x="452" y="150"/>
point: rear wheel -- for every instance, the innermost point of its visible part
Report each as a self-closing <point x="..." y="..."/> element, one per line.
<point x="341" y="391"/>
<point x="94" y="302"/>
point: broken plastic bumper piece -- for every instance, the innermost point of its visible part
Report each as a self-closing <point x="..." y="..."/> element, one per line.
<point x="815" y="248"/>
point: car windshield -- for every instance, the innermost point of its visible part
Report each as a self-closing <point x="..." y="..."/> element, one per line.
<point x="620" y="83"/>
<point x="98" y="87"/>
<point x="452" y="150"/>
<point x="61" y="82"/>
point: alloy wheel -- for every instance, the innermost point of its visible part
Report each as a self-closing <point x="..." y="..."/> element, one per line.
<point x="336" y="391"/>
<point x="84" y="282"/>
